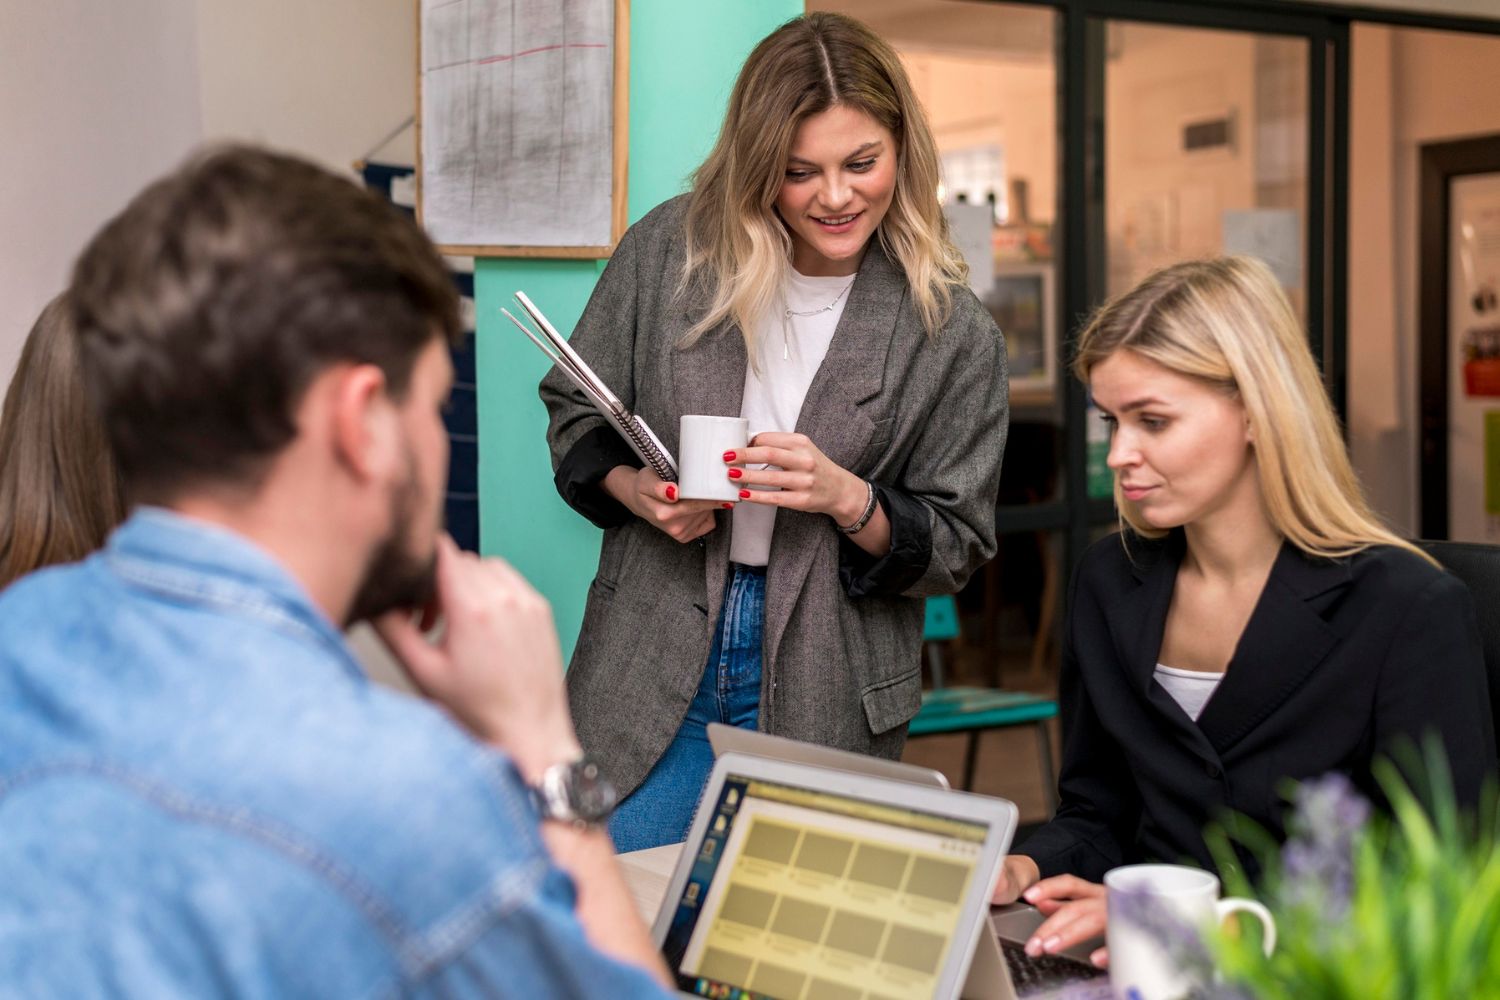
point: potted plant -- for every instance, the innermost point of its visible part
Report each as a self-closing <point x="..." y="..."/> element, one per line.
<point x="1405" y="904"/>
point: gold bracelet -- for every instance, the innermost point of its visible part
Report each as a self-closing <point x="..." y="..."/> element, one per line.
<point x="864" y="518"/>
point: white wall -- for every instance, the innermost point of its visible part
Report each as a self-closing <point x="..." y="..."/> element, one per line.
<point x="325" y="78"/>
<point x="97" y="97"/>
<point x="95" y="100"/>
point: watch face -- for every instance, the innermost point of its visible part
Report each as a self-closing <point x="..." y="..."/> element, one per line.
<point x="593" y="796"/>
<point x="575" y="792"/>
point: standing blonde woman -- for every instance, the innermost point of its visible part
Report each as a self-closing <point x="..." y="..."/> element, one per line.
<point x="1254" y="622"/>
<point x="60" y="494"/>
<point x="808" y="283"/>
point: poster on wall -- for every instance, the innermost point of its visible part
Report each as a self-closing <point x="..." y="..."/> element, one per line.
<point x="1274" y="235"/>
<point x="521" y="126"/>
<point x="970" y="227"/>
<point x="1474" y="358"/>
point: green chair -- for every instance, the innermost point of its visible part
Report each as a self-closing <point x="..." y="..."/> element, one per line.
<point x="975" y="710"/>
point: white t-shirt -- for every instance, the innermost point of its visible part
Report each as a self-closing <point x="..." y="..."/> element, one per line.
<point x="787" y="360"/>
<point x="1189" y="688"/>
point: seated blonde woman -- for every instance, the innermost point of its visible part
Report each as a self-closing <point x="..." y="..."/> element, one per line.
<point x="60" y="493"/>
<point x="1253" y="622"/>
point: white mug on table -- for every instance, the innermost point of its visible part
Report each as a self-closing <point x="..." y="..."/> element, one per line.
<point x="1150" y="903"/>
<point x="702" y="442"/>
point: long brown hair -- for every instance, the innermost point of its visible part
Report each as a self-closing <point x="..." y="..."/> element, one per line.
<point x="737" y="248"/>
<point x="1226" y="323"/>
<point x="60" y="493"/>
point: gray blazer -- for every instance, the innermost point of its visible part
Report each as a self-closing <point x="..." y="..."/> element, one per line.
<point x="923" y="418"/>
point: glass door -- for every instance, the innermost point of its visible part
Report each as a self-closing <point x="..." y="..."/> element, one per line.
<point x="1205" y="150"/>
<point x="1201" y="131"/>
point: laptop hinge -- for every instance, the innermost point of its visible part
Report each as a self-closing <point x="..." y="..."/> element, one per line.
<point x="987" y="979"/>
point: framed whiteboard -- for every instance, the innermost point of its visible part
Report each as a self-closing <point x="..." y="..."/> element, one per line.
<point x="521" y="125"/>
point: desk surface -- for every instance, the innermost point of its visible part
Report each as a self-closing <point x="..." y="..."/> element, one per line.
<point x="647" y="874"/>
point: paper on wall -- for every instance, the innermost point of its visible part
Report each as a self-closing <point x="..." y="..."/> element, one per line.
<point x="971" y="228"/>
<point x="1274" y="235"/>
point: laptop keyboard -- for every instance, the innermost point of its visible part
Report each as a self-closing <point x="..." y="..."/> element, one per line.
<point x="1045" y="972"/>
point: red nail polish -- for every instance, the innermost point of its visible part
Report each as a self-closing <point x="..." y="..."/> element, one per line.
<point x="744" y="494"/>
<point x="729" y="506"/>
<point x="671" y="492"/>
<point x="729" y="456"/>
<point x="735" y="473"/>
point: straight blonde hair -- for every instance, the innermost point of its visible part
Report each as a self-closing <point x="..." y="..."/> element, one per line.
<point x="738" y="249"/>
<point x="1227" y="323"/>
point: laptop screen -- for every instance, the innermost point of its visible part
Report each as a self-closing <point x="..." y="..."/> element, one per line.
<point x="801" y="893"/>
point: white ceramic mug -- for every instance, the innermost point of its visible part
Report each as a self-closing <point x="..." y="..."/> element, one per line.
<point x="1146" y="962"/>
<point x="701" y="444"/>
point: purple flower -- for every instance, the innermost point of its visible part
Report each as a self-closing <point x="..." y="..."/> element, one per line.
<point x="1317" y="862"/>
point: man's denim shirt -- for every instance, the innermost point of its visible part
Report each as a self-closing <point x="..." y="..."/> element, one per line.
<point x="202" y="795"/>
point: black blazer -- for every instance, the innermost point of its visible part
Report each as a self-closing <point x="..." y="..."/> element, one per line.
<point x="1339" y="658"/>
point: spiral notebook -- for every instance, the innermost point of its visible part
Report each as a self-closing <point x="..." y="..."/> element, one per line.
<point x="632" y="428"/>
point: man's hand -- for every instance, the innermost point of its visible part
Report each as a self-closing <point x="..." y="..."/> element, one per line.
<point x="660" y="504"/>
<point x="497" y="666"/>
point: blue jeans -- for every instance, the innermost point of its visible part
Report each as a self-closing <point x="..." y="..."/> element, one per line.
<point x="661" y="809"/>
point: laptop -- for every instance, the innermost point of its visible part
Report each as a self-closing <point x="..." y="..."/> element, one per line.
<point x="1068" y="972"/>
<point x="799" y="882"/>
<point x="732" y="739"/>
<point x="1013" y="924"/>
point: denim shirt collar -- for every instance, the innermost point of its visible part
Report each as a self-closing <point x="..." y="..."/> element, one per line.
<point x="201" y="563"/>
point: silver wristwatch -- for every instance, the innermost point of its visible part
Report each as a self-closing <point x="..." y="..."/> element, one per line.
<point x="575" y="792"/>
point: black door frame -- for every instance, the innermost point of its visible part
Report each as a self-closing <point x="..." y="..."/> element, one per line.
<point x="1441" y="162"/>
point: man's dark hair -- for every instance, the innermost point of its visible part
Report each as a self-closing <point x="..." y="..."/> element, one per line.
<point x="206" y="308"/>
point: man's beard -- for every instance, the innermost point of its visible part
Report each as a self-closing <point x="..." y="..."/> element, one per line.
<point x="395" y="578"/>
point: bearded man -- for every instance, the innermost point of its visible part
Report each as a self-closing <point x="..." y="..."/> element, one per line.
<point x="200" y="792"/>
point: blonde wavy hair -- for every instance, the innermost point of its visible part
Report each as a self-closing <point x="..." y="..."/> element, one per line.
<point x="1227" y="323"/>
<point x="738" y="249"/>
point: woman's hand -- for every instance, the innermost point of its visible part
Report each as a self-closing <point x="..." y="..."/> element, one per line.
<point x="807" y="478"/>
<point x="1017" y="874"/>
<point x="657" y="503"/>
<point x="1075" y="912"/>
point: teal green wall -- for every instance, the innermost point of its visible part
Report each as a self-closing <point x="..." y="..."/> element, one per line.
<point x="684" y="55"/>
